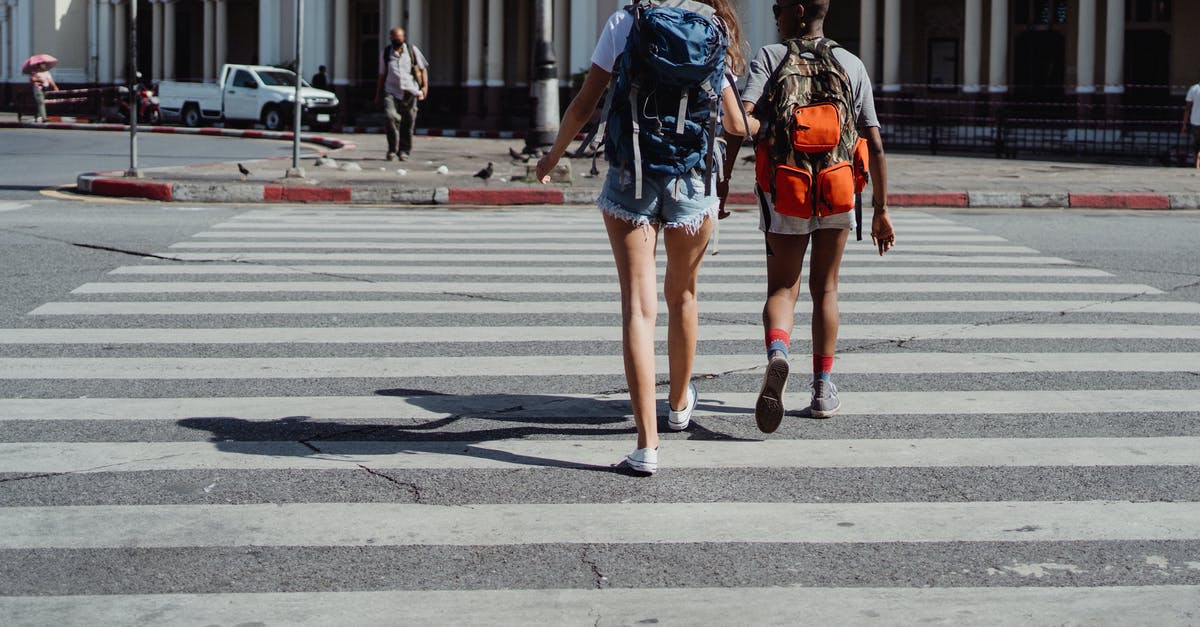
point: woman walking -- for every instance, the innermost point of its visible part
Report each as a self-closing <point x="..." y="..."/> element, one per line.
<point x="42" y="81"/>
<point x="794" y="216"/>
<point x="641" y="198"/>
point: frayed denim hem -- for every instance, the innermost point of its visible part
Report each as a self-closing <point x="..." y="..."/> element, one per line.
<point x="612" y="209"/>
<point x="691" y="226"/>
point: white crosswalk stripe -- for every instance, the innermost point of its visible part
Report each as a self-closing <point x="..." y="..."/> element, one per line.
<point x="207" y="440"/>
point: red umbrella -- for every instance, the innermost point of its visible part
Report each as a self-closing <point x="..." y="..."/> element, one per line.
<point x="38" y="59"/>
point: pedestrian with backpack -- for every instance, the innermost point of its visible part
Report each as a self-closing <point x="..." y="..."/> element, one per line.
<point x="813" y="112"/>
<point x="670" y="65"/>
<point x="403" y="83"/>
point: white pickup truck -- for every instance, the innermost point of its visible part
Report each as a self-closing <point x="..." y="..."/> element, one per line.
<point x="246" y="93"/>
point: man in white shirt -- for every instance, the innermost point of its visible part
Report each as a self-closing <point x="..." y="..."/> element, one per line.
<point x="1191" y="119"/>
<point x="403" y="81"/>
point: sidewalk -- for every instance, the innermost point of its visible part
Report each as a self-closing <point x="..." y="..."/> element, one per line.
<point x="358" y="173"/>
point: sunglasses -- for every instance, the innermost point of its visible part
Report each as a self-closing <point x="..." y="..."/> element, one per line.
<point x="778" y="8"/>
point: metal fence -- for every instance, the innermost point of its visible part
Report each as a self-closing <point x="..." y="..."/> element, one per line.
<point x="1119" y="133"/>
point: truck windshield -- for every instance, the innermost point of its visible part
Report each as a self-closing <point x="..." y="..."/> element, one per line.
<point x="279" y="78"/>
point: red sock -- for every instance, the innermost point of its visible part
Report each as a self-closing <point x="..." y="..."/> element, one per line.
<point x="822" y="365"/>
<point x="777" y="340"/>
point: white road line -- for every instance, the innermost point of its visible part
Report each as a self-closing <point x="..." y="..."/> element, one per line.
<point x="476" y="335"/>
<point x="608" y="306"/>
<point x="436" y="407"/>
<point x="998" y="606"/>
<point x="541" y="250"/>
<point x="708" y="270"/>
<point x="266" y="231"/>
<point x="387" y="524"/>
<point x="181" y="368"/>
<point x="897" y="256"/>
<point x="70" y="457"/>
<point x="611" y="288"/>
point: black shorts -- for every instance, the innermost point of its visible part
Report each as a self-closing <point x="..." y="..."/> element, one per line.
<point x="1195" y="138"/>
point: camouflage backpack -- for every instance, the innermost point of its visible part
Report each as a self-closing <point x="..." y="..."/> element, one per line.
<point x="812" y="161"/>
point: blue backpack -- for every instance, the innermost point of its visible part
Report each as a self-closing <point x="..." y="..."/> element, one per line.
<point x="664" y="105"/>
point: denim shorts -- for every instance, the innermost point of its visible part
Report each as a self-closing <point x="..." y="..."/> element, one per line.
<point x="667" y="201"/>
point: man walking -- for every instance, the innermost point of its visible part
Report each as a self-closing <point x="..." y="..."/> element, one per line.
<point x="1191" y="120"/>
<point x="403" y="82"/>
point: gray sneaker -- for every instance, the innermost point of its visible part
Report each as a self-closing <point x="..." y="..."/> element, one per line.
<point x="825" y="401"/>
<point x="768" y="411"/>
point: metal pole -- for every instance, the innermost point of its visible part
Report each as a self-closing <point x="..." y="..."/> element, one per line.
<point x="544" y="88"/>
<point x="133" y="95"/>
<point x="296" y="170"/>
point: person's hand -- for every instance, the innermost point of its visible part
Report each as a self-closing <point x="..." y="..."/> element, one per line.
<point x="882" y="234"/>
<point x="544" y="166"/>
<point x="423" y="94"/>
<point x="722" y="193"/>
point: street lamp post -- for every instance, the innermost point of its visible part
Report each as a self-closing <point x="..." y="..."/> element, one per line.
<point x="296" y="171"/>
<point x="544" y="88"/>
<point x="133" y="170"/>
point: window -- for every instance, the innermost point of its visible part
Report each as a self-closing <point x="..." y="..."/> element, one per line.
<point x="243" y="79"/>
<point x="1040" y="12"/>
<point x="1142" y="11"/>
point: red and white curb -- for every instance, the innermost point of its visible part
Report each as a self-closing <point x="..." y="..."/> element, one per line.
<point x="113" y="184"/>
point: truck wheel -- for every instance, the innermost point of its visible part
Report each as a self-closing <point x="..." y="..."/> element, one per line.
<point x="273" y="119"/>
<point x="191" y="116"/>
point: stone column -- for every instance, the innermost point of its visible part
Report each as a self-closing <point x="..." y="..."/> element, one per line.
<point x="5" y="41"/>
<point x="867" y="34"/>
<point x="104" y="74"/>
<point x="120" y="41"/>
<point x="415" y="27"/>
<point x="169" y="40"/>
<point x="221" y="39"/>
<point x="1085" y="79"/>
<point x="475" y="60"/>
<point x="972" y="46"/>
<point x="583" y="39"/>
<point x="891" y="45"/>
<point x="209" y="27"/>
<point x="494" y="65"/>
<point x="269" y="31"/>
<point x="998" y="48"/>
<point x="341" y="43"/>
<point x="156" y="39"/>
<point x="562" y="28"/>
<point x="1114" y="48"/>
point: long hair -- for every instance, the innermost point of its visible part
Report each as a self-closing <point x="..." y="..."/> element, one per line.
<point x="735" y="58"/>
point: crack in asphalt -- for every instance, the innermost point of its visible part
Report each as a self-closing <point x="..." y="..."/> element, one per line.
<point x="411" y="487"/>
<point x="599" y="579"/>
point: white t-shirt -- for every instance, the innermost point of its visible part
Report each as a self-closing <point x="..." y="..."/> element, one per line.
<point x="399" y="68"/>
<point x="768" y="59"/>
<point x="612" y="42"/>
<point x="1193" y="96"/>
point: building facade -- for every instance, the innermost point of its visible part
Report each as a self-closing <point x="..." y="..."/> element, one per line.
<point x="480" y="50"/>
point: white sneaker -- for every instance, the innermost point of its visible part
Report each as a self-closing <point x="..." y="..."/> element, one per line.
<point x="679" y="420"/>
<point x="643" y="460"/>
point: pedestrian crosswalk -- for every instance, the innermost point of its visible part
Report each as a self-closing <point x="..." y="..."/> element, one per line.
<point x="338" y="416"/>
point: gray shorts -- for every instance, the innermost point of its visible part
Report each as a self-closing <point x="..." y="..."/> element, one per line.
<point x="771" y="221"/>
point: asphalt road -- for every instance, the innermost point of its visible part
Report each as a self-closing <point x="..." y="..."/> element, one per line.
<point x="454" y="453"/>
<point x="34" y="159"/>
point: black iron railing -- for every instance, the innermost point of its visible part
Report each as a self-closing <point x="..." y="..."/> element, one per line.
<point x="1043" y="128"/>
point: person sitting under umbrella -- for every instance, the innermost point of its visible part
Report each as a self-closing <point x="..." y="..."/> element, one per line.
<point x="38" y="67"/>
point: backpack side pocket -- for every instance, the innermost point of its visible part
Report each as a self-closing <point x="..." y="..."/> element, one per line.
<point x="862" y="165"/>
<point x="793" y="192"/>
<point x="835" y="189"/>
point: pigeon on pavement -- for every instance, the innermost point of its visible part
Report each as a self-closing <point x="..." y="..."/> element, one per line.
<point x="485" y="173"/>
<point x="243" y="170"/>
<point x="519" y="156"/>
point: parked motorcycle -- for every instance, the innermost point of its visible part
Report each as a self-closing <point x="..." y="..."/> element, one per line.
<point x="147" y="103"/>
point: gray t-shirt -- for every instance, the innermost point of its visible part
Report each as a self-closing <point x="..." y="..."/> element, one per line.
<point x="763" y="67"/>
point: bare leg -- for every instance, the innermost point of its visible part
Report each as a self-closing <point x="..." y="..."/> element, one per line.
<point x="828" y="245"/>
<point x="685" y="252"/>
<point x="783" y="280"/>
<point x="633" y="250"/>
